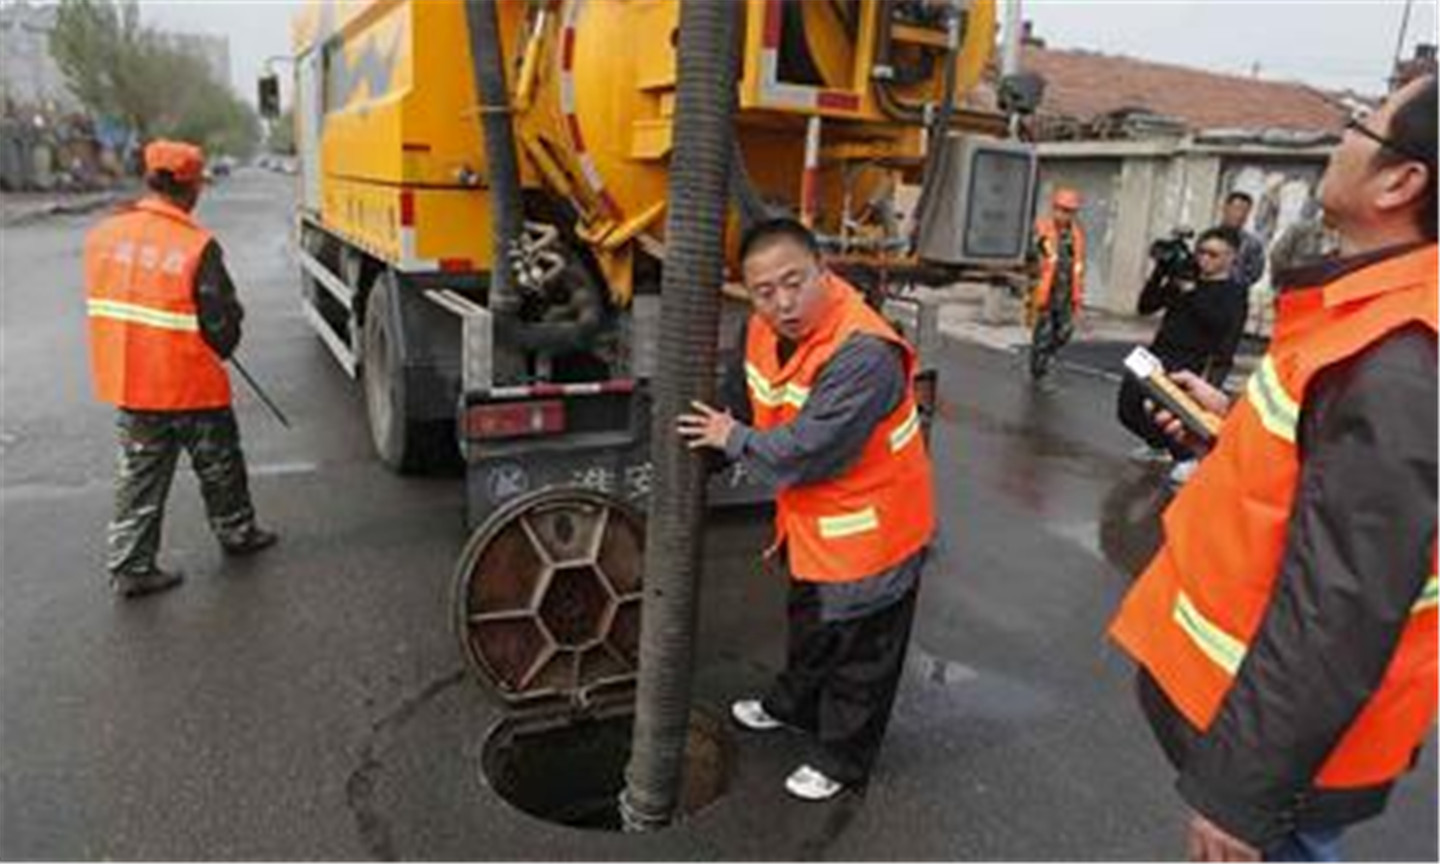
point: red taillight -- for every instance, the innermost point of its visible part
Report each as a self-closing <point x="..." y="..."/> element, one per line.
<point x="515" y="419"/>
<point x="407" y="208"/>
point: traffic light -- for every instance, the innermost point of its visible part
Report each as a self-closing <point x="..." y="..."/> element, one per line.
<point x="269" y="96"/>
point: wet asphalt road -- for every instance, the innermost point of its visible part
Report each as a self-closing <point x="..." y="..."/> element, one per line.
<point x="311" y="703"/>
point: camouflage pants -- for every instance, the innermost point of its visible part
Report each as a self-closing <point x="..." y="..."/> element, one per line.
<point x="1054" y="326"/>
<point x="150" y="445"/>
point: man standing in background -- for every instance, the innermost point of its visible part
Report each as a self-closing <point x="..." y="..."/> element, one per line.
<point x="1250" y="261"/>
<point x="1249" y="266"/>
<point x="1060" y="289"/>
<point x="163" y="318"/>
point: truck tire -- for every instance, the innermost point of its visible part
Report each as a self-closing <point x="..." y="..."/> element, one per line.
<point x="399" y="441"/>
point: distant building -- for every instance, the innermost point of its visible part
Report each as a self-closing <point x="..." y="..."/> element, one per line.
<point x="28" y="74"/>
<point x="1153" y="146"/>
<point x="213" y="50"/>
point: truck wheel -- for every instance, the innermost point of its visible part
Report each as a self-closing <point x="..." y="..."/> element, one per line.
<point x="397" y="438"/>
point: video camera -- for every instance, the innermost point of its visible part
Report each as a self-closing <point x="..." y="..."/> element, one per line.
<point x="1173" y="256"/>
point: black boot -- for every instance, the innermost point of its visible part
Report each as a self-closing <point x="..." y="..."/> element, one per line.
<point x="253" y="541"/>
<point x="131" y="585"/>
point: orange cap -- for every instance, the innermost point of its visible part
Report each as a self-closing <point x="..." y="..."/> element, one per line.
<point x="1065" y="199"/>
<point x="185" y="162"/>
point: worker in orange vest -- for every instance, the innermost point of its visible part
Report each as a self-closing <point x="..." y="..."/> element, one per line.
<point x="163" y="317"/>
<point x="1286" y="630"/>
<point x="1060" y="287"/>
<point x="828" y="416"/>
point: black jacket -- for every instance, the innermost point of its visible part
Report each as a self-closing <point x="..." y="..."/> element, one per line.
<point x="1200" y="325"/>
<point x="1357" y="555"/>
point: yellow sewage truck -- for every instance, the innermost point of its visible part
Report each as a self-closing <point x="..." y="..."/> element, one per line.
<point x="483" y="191"/>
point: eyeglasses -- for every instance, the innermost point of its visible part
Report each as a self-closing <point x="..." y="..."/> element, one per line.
<point x="1356" y="123"/>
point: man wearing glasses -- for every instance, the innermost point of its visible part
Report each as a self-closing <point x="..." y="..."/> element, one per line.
<point x="1200" y="317"/>
<point x="1286" y="631"/>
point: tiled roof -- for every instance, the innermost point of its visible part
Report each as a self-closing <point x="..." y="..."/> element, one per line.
<point x="1084" y="85"/>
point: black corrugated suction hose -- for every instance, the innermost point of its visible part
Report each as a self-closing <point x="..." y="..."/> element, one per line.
<point x="501" y="168"/>
<point x="507" y="207"/>
<point x="689" y="324"/>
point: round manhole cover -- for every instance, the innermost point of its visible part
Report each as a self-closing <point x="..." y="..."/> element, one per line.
<point x="547" y="596"/>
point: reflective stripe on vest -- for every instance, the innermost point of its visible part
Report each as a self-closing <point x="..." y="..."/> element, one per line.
<point x="1429" y="596"/>
<point x="794" y="395"/>
<point x="147" y="350"/>
<point x="1200" y="604"/>
<point x="775" y="395"/>
<point x="1227" y="652"/>
<point x="879" y="511"/>
<point x="1279" y="413"/>
<point x="848" y="524"/>
<point x="135" y="313"/>
<point x="1223" y="649"/>
<point x="906" y="431"/>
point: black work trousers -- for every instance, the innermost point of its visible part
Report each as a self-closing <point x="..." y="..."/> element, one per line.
<point x="840" y="680"/>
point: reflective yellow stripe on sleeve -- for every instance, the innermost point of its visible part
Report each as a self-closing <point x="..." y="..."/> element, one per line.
<point x="134" y="313"/>
<point x="847" y="524"/>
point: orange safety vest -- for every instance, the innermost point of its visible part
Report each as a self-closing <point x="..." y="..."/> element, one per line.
<point x="1190" y="618"/>
<point x="880" y="511"/>
<point x="146" y="351"/>
<point x="1048" y="236"/>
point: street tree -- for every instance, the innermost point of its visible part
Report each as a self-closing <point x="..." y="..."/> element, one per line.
<point x="121" y="69"/>
<point x="108" y="59"/>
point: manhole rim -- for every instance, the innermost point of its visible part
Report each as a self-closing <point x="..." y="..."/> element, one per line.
<point x="703" y="719"/>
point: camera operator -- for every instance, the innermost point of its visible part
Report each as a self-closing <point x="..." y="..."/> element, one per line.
<point x="1202" y="307"/>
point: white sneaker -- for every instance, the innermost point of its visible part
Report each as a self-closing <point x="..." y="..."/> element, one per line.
<point x="1152" y="455"/>
<point x="751" y="714"/>
<point x="809" y="784"/>
<point x="1183" y="471"/>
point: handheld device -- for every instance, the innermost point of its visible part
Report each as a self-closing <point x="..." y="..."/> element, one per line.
<point x="1150" y="373"/>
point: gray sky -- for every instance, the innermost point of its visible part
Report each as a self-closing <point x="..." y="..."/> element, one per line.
<point x="1336" y="44"/>
<point x="1329" y="43"/>
<point x="257" y="29"/>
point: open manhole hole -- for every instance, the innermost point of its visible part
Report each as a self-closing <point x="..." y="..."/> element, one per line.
<point x="571" y="771"/>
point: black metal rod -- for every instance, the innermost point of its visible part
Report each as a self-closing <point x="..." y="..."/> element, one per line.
<point x="260" y="392"/>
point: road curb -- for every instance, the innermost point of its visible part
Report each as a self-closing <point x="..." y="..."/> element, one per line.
<point x="53" y="209"/>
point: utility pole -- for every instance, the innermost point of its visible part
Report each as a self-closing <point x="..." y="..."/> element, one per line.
<point x="1392" y="79"/>
<point x="1010" y="50"/>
